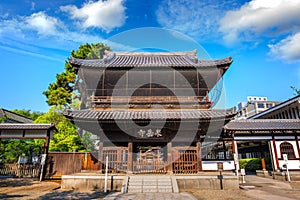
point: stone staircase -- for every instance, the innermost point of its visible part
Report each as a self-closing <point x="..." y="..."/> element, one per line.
<point x="149" y="183"/>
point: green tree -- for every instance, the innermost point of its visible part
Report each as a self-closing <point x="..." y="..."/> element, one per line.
<point x="28" y="113"/>
<point x="11" y="149"/>
<point x="66" y="138"/>
<point x="297" y="91"/>
<point x="61" y="91"/>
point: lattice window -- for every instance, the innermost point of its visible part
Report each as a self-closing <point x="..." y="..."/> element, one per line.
<point x="287" y="148"/>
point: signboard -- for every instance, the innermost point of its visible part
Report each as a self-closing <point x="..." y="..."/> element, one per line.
<point x="243" y="172"/>
<point x="43" y="160"/>
<point x="220" y="166"/>
<point x="22" y="160"/>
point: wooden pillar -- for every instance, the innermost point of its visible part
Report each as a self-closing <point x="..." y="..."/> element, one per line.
<point x="170" y="161"/>
<point x="235" y="151"/>
<point x="100" y="156"/>
<point x="199" y="157"/>
<point x="130" y="161"/>
<point x="45" y="148"/>
<point x="275" y="154"/>
<point x="262" y="157"/>
<point x="298" y="148"/>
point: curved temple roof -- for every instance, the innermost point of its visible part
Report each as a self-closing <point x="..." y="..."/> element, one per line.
<point x="151" y="59"/>
<point x="88" y="115"/>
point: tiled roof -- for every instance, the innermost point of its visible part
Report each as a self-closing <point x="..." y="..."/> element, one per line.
<point x="263" y="125"/>
<point x="147" y="114"/>
<point x="13" y="117"/>
<point x="10" y="126"/>
<point x="147" y="59"/>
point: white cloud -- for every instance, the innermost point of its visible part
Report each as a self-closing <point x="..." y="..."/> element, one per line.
<point x="43" y="24"/>
<point x="261" y="18"/>
<point x="193" y="17"/>
<point x="106" y="15"/>
<point x="287" y="49"/>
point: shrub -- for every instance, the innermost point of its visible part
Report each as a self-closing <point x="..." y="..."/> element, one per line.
<point x="250" y="164"/>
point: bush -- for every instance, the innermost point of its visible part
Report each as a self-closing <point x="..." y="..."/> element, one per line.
<point x="250" y="164"/>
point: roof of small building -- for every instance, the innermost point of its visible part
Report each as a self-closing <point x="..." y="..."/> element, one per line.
<point x="12" y="117"/>
<point x="263" y="125"/>
<point x="18" y="126"/>
<point x="151" y="59"/>
<point x="147" y="114"/>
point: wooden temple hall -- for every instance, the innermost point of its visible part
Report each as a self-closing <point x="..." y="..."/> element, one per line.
<point x="152" y="111"/>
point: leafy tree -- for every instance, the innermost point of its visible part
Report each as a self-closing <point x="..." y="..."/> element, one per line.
<point x="11" y="149"/>
<point x="60" y="92"/>
<point x="297" y="91"/>
<point x="28" y="113"/>
<point x="66" y="138"/>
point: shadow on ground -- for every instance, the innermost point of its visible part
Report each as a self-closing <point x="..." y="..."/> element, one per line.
<point x="72" y="194"/>
<point x="11" y="182"/>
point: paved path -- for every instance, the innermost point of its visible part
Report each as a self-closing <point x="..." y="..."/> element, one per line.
<point x="268" y="188"/>
<point x="151" y="196"/>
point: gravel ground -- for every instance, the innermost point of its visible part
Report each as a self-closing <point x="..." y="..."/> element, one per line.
<point x="14" y="188"/>
<point x="220" y="194"/>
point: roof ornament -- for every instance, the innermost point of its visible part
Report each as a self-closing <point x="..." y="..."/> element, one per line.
<point x="192" y="56"/>
<point x="108" y="56"/>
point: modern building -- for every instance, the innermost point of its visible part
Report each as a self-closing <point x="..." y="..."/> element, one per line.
<point x="289" y="109"/>
<point x="253" y="106"/>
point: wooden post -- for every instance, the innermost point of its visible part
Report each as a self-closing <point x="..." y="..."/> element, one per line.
<point x="199" y="157"/>
<point x="262" y="157"/>
<point x="100" y="156"/>
<point x="170" y="162"/>
<point x="298" y="148"/>
<point x="130" y="160"/>
<point x="276" y="156"/>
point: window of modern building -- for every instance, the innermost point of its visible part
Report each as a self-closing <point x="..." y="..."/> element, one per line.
<point x="269" y="105"/>
<point x="287" y="148"/>
<point x="261" y="105"/>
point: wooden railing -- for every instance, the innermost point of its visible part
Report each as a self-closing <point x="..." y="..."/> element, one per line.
<point x="117" y="159"/>
<point x="147" y="99"/>
<point x="184" y="161"/>
<point x="20" y="170"/>
<point x="149" y="166"/>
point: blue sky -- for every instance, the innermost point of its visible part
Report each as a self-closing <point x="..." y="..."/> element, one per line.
<point x="262" y="36"/>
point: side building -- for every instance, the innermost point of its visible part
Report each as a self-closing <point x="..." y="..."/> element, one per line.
<point x="253" y="106"/>
<point x="270" y="133"/>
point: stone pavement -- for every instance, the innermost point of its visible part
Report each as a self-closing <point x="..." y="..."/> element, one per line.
<point x="150" y="196"/>
<point x="269" y="189"/>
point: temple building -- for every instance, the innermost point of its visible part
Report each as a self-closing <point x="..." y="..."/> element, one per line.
<point x="153" y="113"/>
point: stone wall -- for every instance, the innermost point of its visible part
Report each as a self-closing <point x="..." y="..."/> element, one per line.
<point x="206" y="183"/>
<point x="91" y="182"/>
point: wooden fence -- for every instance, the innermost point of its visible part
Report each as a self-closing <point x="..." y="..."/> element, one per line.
<point x="63" y="163"/>
<point x="20" y="170"/>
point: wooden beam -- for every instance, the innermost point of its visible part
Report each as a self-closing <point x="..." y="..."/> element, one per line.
<point x="199" y="157"/>
<point x="130" y="160"/>
<point x="100" y="156"/>
<point x="298" y="148"/>
<point x="276" y="156"/>
<point x="169" y="159"/>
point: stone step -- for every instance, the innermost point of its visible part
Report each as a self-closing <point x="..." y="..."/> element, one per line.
<point x="150" y="184"/>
